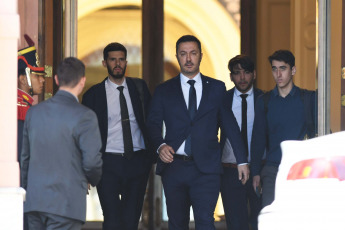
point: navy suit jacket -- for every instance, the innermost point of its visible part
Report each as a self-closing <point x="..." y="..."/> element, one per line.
<point x="96" y="99"/>
<point x="228" y="99"/>
<point x="168" y="106"/>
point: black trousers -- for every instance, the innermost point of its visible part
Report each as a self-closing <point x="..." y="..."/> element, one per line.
<point x="122" y="189"/>
<point x="236" y="197"/>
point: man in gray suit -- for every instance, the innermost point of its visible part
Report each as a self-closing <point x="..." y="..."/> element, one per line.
<point x="60" y="154"/>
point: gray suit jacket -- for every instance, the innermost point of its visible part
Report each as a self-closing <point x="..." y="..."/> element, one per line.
<point x="60" y="156"/>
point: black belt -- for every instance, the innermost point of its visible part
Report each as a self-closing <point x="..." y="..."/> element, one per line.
<point x="122" y="154"/>
<point x="183" y="157"/>
<point x="229" y="165"/>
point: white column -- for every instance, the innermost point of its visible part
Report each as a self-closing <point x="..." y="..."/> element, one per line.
<point x="11" y="195"/>
<point x="323" y="68"/>
<point x="71" y="19"/>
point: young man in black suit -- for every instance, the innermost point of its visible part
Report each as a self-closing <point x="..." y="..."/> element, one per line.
<point x="240" y="100"/>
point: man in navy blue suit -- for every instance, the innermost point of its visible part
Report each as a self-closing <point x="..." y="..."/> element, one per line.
<point x="240" y="100"/>
<point x="190" y="105"/>
<point x="120" y="103"/>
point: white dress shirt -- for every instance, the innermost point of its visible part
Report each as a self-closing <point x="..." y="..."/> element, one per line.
<point x="185" y="89"/>
<point x="115" y="135"/>
<point x="228" y="153"/>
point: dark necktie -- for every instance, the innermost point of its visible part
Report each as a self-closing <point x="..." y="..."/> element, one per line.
<point x="192" y="112"/>
<point x="244" y="122"/>
<point x="126" y="126"/>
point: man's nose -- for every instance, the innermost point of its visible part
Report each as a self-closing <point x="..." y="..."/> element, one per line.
<point x="242" y="75"/>
<point x="188" y="57"/>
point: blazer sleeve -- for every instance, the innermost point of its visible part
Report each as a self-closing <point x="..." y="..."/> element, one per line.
<point x="155" y="119"/>
<point x="89" y="141"/>
<point x="88" y="99"/>
<point x="259" y="136"/>
<point x="147" y="98"/>
<point x="230" y="129"/>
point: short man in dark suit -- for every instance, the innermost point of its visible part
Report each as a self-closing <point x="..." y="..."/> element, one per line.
<point x="120" y="103"/>
<point x="60" y="154"/>
<point x="240" y="100"/>
<point x="190" y="105"/>
<point x="30" y="82"/>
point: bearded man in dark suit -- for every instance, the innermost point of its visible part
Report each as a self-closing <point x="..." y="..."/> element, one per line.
<point x="120" y="103"/>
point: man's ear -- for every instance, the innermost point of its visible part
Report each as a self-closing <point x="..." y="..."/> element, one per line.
<point x="254" y="74"/>
<point x="56" y="80"/>
<point x="293" y="70"/>
<point x="82" y="81"/>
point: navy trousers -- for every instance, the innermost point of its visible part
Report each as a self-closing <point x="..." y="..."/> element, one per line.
<point x="185" y="186"/>
<point x="122" y="189"/>
<point x="235" y="197"/>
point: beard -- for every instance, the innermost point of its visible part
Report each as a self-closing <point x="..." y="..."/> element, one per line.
<point x="245" y="88"/>
<point x="116" y="76"/>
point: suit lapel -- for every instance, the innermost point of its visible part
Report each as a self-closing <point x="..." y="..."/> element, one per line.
<point x="256" y="94"/>
<point x="206" y="86"/>
<point x="135" y="99"/>
<point x="177" y="90"/>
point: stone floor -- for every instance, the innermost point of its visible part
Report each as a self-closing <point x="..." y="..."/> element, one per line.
<point x="98" y="226"/>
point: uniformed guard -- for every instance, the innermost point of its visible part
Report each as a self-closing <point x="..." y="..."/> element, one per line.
<point x="30" y="82"/>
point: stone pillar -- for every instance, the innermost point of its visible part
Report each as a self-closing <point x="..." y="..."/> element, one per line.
<point x="152" y="43"/>
<point x="11" y="195"/>
<point x="153" y="74"/>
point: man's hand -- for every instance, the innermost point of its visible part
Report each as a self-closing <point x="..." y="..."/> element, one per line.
<point x="166" y="153"/>
<point x="256" y="182"/>
<point x="243" y="173"/>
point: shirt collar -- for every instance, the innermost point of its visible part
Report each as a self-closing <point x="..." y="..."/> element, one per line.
<point x="238" y="93"/>
<point x="61" y="90"/>
<point x="112" y="84"/>
<point x="292" y="91"/>
<point x="184" y="79"/>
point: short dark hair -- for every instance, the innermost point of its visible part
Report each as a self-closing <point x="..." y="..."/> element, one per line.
<point x="244" y="60"/>
<point x="188" y="38"/>
<point x="114" y="46"/>
<point x="283" y="55"/>
<point x="70" y="71"/>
